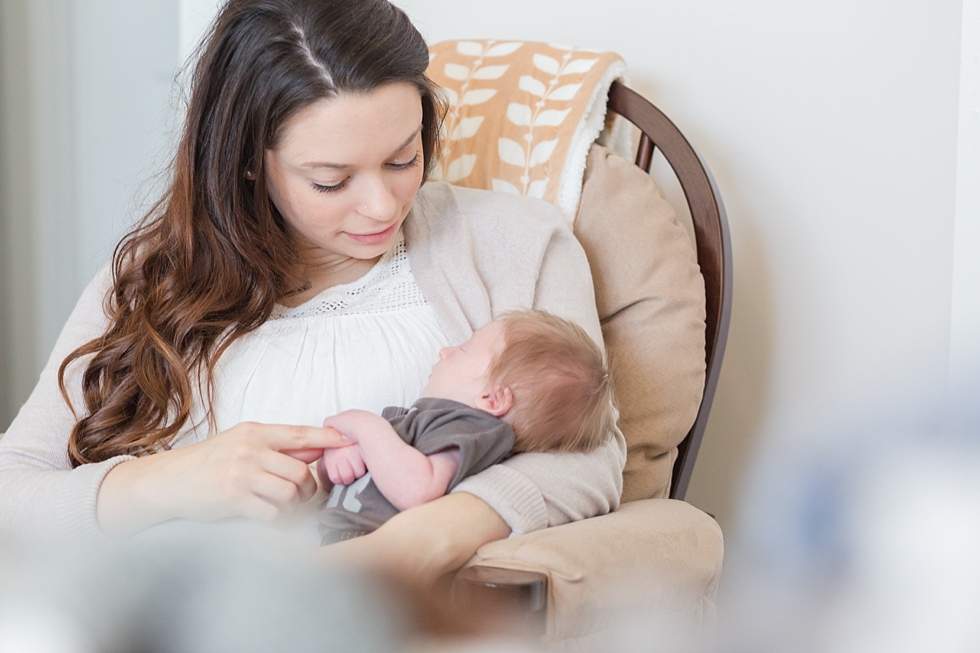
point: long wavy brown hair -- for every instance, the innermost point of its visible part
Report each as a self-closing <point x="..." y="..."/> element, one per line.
<point x="209" y="261"/>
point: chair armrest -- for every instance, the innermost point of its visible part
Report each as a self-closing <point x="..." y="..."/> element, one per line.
<point x="657" y="556"/>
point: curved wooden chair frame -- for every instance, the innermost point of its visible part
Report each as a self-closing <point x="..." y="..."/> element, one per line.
<point x="713" y="247"/>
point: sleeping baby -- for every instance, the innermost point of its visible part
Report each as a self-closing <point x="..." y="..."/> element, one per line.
<point x="529" y="381"/>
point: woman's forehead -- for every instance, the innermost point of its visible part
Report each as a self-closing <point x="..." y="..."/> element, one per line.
<point x="330" y="131"/>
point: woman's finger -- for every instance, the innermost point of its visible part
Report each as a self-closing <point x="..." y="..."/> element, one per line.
<point x="293" y="471"/>
<point x="343" y="438"/>
<point x="280" y="493"/>
<point x="306" y="455"/>
<point x="294" y="437"/>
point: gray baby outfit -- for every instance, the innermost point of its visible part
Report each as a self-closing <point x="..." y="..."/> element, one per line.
<point x="430" y="425"/>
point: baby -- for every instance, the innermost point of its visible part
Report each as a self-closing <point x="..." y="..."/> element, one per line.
<point x="529" y="381"/>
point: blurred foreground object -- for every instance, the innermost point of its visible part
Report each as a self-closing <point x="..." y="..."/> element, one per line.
<point x="227" y="587"/>
<point x="863" y="538"/>
<point x="167" y="592"/>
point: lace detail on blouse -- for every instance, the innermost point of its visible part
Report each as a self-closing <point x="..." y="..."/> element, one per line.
<point x="388" y="286"/>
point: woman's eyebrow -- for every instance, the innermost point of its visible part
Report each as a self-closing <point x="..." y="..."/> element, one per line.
<point x="322" y="164"/>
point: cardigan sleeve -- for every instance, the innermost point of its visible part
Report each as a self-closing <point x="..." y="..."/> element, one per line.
<point x="534" y="490"/>
<point x="39" y="492"/>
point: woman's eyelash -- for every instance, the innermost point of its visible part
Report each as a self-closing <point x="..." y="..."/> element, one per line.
<point x="320" y="188"/>
<point x="411" y="164"/>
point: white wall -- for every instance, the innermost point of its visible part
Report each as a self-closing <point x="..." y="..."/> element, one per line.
<point x="36" y="188"/>
<point x="965" y="343"/>
<point x="831" y="129"/>
<point x="124" y="57"/>
<point x="14" y="118"/>
<point x="195" y="17"/>
<point x="87" y="114"/>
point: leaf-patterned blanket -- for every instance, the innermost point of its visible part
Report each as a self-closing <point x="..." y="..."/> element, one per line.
<point x="523" y="116"/>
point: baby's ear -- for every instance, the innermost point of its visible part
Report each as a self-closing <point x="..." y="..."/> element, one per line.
<point x="497" y="401"/>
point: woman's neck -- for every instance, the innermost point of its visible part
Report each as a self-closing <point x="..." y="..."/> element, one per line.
<point x="328" y="270"/>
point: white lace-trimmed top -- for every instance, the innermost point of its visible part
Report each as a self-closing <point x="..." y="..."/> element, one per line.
<point x="367" y="344"/>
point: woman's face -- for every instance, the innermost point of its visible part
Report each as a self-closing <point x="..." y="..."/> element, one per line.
<point x="345" y="171"/>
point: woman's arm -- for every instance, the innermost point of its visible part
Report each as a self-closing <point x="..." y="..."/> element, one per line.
<point x="424" y="543"/>
<point x="40" y="494"/>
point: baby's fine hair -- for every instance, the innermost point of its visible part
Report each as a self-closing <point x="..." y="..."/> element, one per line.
<point x="562" y="391"/>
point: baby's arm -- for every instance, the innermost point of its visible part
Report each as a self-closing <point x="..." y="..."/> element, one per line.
<point x="403" y="474"/>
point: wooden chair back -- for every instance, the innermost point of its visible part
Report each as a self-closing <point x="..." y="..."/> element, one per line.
<point x="712" y="243"/>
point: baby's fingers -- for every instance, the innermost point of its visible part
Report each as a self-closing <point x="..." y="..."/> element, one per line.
<point x="358" y="466"/>
<point x="345" y="472"/>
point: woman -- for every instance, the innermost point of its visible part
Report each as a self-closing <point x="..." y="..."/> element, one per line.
<point x="294" y="269"/>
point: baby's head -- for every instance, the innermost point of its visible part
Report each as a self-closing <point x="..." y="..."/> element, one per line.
<point x="540" y="373"/>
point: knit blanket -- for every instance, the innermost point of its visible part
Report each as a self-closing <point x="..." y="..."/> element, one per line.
<point x="523" y="116"/>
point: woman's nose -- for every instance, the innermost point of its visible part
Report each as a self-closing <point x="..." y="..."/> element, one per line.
<point x="377" y="201"/>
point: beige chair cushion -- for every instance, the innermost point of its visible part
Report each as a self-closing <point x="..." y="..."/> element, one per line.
<point x="650" y="296"/>
<point x="649" y="558"/>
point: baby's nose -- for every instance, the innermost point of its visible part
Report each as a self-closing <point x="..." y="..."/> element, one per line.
<point x="444" y="352"/>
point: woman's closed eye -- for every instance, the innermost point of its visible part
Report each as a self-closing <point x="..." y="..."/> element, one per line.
<point x="325" y="188"/>
<point x="332" y="188"/>
<point x="416" y="160"/>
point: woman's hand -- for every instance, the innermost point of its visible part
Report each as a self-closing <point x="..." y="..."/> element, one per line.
<point x="259" y="471"/>
<point x="421" y="544"/>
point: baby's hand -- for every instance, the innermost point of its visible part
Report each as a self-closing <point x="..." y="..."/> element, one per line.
<point x="342" y="466"/>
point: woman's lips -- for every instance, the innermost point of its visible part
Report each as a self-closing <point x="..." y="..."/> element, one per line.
<point x="372" y="239"/>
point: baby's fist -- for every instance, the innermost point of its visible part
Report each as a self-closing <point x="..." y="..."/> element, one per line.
<point x="341" y="466"/>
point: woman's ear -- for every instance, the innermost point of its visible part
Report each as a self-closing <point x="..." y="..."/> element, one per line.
<point x="496" y="400"/>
